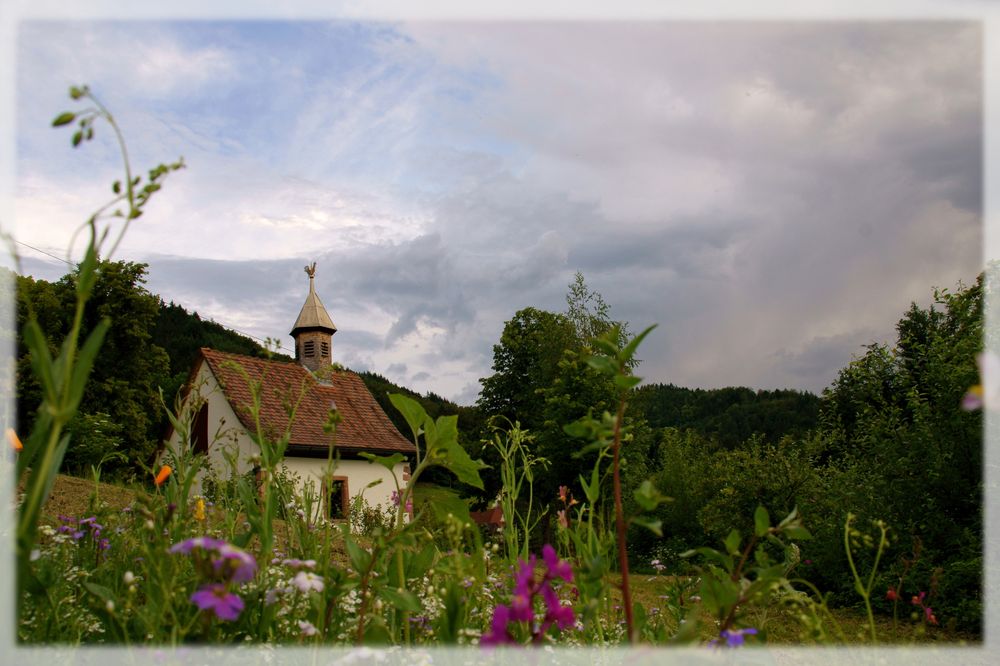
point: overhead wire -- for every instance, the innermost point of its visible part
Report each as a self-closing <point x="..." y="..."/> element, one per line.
<point x="266" y="341"/>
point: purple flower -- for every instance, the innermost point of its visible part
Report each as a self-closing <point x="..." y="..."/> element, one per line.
<point x="234" y="564"/>
<point x="555" y="611"/>
<point x="557" y="568"/>
<point x="522" y="605"/>
<point x="735" y="637"/>
<point x="499" y="635"/>
<point x="196" y="543"/>
<point x="216" y="598"/>
<point x="217" y="559"/>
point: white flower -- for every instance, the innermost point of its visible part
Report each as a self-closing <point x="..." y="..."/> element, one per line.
<point x="306" y="580"/>
<point x="35" y="554"/>
<point x="110" y="606"/>
<point x="129" y="577"/>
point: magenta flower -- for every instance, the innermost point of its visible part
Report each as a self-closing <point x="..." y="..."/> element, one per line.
<point x="557" y="568"/>
<point x="499" y="634"/>
<point x="215" y="597"/>
<point x="522" y="605"/>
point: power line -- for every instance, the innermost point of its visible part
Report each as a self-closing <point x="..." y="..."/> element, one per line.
<point x="47" y="254"/>
<point x="235" y="330"/>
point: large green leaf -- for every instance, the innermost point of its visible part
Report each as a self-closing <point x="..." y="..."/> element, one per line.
<point x="85" y="362"/>
<point x="411" y="410"/>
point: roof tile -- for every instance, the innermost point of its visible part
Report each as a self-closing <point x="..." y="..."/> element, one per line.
<point x="364" y="425"/>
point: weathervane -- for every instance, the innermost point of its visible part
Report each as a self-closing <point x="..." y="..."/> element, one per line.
<point x="311" y="270"/>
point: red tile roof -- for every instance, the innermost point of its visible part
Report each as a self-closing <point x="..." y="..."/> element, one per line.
<point x="364" y="427"/>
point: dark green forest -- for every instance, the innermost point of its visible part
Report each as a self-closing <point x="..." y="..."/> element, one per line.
<point x="886" y="440"/>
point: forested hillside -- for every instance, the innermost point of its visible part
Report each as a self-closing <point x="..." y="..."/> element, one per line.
<point x="729" y="415"/>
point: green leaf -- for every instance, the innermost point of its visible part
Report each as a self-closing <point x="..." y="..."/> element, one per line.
<point x="41" y="359"/>
<point x="101" y="592"/>
<point x="389" y="462"/>
<point x="719" y="595"/>
<point x="576" y="429"/>
<point x="411" y="410"/>
<point x="631" y="347"/>
<point x="653" y="525"/>
<point x="402" y="599"/>
<point x="761" y="521"/>
<point x="85" y="362"/>
<point x="627" y="382"/>
<point x="711" y="554"/>
<point x="441" y="433"/>
<point x="603" y="364"/>
<point x="64" y="119"/>
<point x="360" y="558"/>
<point x="798" y="532"/>
<point x="457" y="461"/>
<point x="77" y="138"/>
<point x="732" y="542"/>
<point x="648" y="497"/>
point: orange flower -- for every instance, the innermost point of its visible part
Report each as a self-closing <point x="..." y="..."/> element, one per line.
<point x="162" y="476"/>
<point x="14" y="440"/>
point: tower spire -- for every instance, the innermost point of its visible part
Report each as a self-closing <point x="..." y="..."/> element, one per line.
<point x="313" y="330"/>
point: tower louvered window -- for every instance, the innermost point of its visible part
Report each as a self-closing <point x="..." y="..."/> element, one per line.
<point x="324" y="349"/>
<point x="309" y="348"/>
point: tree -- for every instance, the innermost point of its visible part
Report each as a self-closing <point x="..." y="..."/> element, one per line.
<point x="129" y="369"/>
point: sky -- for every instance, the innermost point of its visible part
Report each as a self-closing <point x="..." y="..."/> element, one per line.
<point x="772" y="194"/>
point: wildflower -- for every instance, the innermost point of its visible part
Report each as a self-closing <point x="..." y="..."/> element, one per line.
<point x="299" y="564"/>
<point x="557" y="568"/>
<point x="563" y="521"/>
<point x="735" y="637"/>
<point x="164" y="472"/>
<point x="199" y="509"/>
<point x="217" y="598"/>
<point x="110" y="606"/>
<point x="918" y="600"/>
<point x="499" y="633"/>
<point x="659" y="566"/>
<point x="929" y="615"/>
<point x="566" y="496"/>
<point x="217" y="559"/>
<point x="891" y="594"/>
<point x="306" y="580"/>
<point x="202" y="542"/>
<point x="15" y="441"/>
<point x="521" y="608"/>
<point x="307" y="628"/>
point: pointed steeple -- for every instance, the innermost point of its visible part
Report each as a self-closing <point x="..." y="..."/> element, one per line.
<point x="313" y="330"/>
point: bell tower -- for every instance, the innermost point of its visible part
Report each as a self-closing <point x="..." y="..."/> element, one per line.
<point x="313" y="330"/>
